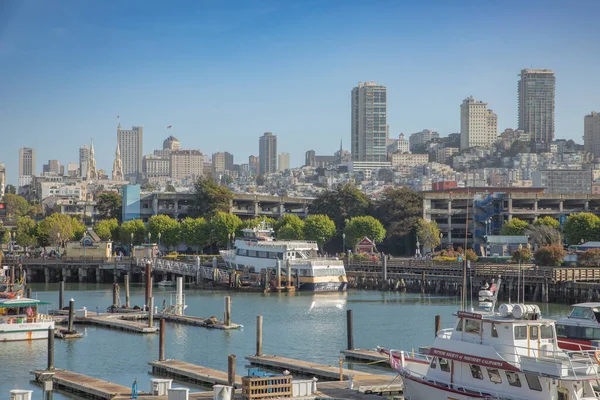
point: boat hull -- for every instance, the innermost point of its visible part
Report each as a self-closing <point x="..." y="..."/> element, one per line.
<point x="25" y="331"/>
<point x="414" y="389"/>
<point x="323" y="286"/>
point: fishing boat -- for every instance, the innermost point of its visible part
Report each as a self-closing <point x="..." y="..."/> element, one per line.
<point x="581" y="329"/>
<point x="258" y="252"/>
<point x="20" y="319"/>
<point x="511" y="353"/>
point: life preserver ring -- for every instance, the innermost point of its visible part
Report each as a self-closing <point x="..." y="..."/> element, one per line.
<point x="597" y="356"/>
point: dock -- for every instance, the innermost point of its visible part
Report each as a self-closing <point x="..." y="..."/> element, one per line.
<point x="364" y="389"/>
<point x="190" y="372"/>
<point x="82" y="385"/>
<point x="196" y="321"/>
<point x="306" y="368"/>
<point x="114" y="322"/>
<point x="368" y="356"/>
<point x="63" y="333"/>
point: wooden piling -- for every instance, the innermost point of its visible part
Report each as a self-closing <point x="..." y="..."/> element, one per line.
<point x="341" y="369"/>
<point x="151" y="313"/>
<point x="231" y="370"/>
<point x="259" y="323"/>
<point x="71" y="314"/>
<point x="161" y="341"/>
<point x="127" y="299"/>
<point x="148" y="282"/>
<point x="278" y="274"/>
<point x="227" y="310"/>
<point x="289" y="274"/>
<point x="384" y="273"/>
<point x="12" y="278"/>
<point x="115" y="294"/>
<point x="438" y="321"/>
<point x="50" y="349"/>
<point x="349" y="330"/>
<point x="61" y="294"/>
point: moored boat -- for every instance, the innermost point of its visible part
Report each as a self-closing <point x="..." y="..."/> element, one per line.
<point x="20" y="319"/>
<point x="581" y="329"/>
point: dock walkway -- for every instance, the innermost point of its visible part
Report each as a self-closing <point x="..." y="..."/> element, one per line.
<point x="191" y="372"/>
<point x="196" y="321"/>
<point x="306" y="368"/>
<point x="372" y="388"/>
<point x="115" y="322"/>
<point x="83" y="385"/>
<point x="369" y="356"/>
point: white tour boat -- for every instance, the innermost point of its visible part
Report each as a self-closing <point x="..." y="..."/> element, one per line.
<point x="258" y="251"/>
<point x="511" y="353"/>
<point x="20" y="319"/>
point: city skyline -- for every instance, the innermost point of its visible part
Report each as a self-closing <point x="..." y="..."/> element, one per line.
<point x="155" y="91"/>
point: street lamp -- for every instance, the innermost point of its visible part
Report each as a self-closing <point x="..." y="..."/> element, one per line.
<point x="519" y="277"/>
<point x="418" y="250"/>
<point x="58" y="244"/>
<point x="159" y="235"/>
<point x="131" y="245"/>
<point x="344" y="242"/>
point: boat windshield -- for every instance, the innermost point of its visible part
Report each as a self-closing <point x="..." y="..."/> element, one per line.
<point x="585" y="313"/>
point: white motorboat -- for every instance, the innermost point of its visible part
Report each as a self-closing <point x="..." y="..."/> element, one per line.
<point x="165" y="283"/>
<point x="20" y="319"/>
<point x="511" y="353"/>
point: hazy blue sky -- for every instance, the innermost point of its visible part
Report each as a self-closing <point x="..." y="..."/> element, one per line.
<point x="222" y="73"/>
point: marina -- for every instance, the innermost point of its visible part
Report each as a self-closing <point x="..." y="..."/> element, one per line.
<point x="192" y="373"/>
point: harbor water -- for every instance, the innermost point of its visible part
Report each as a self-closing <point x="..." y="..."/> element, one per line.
<point x="305" y="326"/>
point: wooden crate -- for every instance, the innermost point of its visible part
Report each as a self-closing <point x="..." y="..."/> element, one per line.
<point x="273" y="387"/>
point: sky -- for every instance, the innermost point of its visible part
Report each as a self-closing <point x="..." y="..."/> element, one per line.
<point x="222" y="73"/>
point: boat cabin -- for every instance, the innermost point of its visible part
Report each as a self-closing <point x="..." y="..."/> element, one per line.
<point x="20" y="310"/>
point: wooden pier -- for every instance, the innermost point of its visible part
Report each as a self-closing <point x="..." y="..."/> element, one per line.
<point x="82" y="385"/>
<point x="306" y="368"/>
<point x="368" y="356"/>
<point x="193" y="373"/>
<point x="118" y="323"/>
<point x="196" y="321"/>
<point x="364" y="389"/>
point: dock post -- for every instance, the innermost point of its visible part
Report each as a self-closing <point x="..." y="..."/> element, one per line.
<point x="384" y="268"/>
<point x="197" y="270"/>
<point x="341" y="369"/>
<point x="259" y="322"/>
<point x="71" y="314"/>
<point x="179" y="297"/>
<point x="161" y="341"/>
<point x="50" y="349"/>
<point x="278" y="274"/>
<point x="151" y="313"/>
<point x="148" y="282"/>
<point x="438" y="321"/>
<point x="231" y="370"/>
<point x="350" y="330"/>
<point x="227" y="310"/>
<point x="127" y="299"/>
<point x="289" y="274"/>
<point x="115" y="294"/>
<point x="61" y="294"/>
<point x="12" y="279"/>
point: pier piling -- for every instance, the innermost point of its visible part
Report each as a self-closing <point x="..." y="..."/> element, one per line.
<point x="127" y="299"/>
<point x="259" y="322"/>
<point x="278" y="274"/>
<point x="61" y="294"/>
<point x="12" y="278"/>
<point x="148" y="282"/>
<point x="289" y="274"/>
<point x="50" y="349"/>
<point x="227" y="310"/>
<point x="115" y="294"/>
<point x="151" y="313"/>
<point x="71" y="314"/>
<point x="349" y="330"/>
<point x="161" y="341"/>
<point x="231" y="370"/>
<point x="438" y="321"/>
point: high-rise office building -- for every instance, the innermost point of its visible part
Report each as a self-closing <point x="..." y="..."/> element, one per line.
<point x="369" y="122"/>
<point x="478" y="124"/>
<point x="131" y="143"/>
<point x="284" y="161"/>
<point x="218" y="164"/>
<point x="228" y="161"/>
<point x="2" y="180"/>
<point x="591" y="133"/>
<point x="84" y="156"/>
<point x="186" y="164"/>
<point x="267" y="153"/>
<point x="536" y="104"/>
<point x="310" y="158"/>
<point x="26" y="166"/>
<point x="53" y="168"/>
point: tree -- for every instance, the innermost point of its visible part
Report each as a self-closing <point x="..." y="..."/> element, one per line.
<point x="583" y="226"/>
<point x="514" y="227"/>
<point x="16" y="206"/>
<point x="547" y="221"/>
<point x="341" y="204"/>
<point x="109" y="206"/>
<point x="211" y="198"/>
<point x="428" y="233"/>
<point x="260" y="180"/>
<point x="195" y="232"/>
<point x="223" y="224"/>
<point x="59" y="227"/>
<point x="107" y="229"/>
<point x="543" y="235"/>
<point x="590" y="258"/>
<point x="525" y="255"/>
<point x="550" y="256"/>
<point x="26" y="232"/>
<point x="78" y="228"/>
<point x="289" y="227"/>
<point x="135" y="226"/>
<point x="257" y="222"/>
<point x="319" y="228"/>
<point x="359" y="227"/>
<point x="170" y="188"/>
<point x="166" y="227"/>
<point x="470" y="255"/>
<point x="10" y="189"/>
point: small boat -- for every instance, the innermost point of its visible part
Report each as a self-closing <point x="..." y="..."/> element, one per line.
<point x="21" y="320"/>
<point x="581" y="329"/>
<point x="165" y="283"/>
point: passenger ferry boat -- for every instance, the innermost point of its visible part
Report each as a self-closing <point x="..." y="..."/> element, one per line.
<point x="20" y="319"/>
<point x="258" y="251"/>
<point x="509" y="354"/>
<point x="581" y="329"/>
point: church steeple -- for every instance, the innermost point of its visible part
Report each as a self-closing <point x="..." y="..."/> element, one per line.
<point x="117" y="173"/>
<point x="91" y="173"/>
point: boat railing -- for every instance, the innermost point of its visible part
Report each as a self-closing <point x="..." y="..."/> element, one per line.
<point x="317" y="262"/>
<point x="24" y="318"/>
<point x="445" y="333"/>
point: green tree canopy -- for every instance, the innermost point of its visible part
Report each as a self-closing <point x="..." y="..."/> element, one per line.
<point x="170" y="188"/>
<point x="11" y="189"/>
<point x="211" y="198"/>
<point x="26" y="232"/>
<point x="165" y="226"/>
<point x="547" y="221"/>
<point x="543" y="235"/>
<point x="56" y="226"/>
<point x="256" y="222"/>
<point x="428" y="233"/>
<point x="107" y="229"/>
<point x="289" y="227"/>
<point x="583" y="226"/>
<point x="109" y="205"/>
<point x="223" y="224"/>
<point x="195" y="232"/>
<point x="514" y="227"/>
<point x="359" y="227"/>
<point x="135" y="226"/>
<point x="319" y="228"/>
<point x="16" y="206"/>
<point x="550" y="256"/>
<point x="341" y="204"/>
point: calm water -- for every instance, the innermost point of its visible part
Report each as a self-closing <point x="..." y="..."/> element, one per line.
<point x="303" y="326"/>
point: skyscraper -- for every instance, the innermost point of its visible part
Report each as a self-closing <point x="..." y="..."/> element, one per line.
<point x="2" y="180"/>
<point x="84" y="156"/>
<point x="284" y="161"/>
<point x="26" y="165"/>
<point x="591" y="133"/>
<point x="131" y="143"/>
<point x="478" y="124"/>
<point x="369" y="122"/>
<point x="267" y="153"/>
<point x="536" y="104"/>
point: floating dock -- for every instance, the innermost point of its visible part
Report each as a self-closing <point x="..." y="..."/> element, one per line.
<point x="193" y="373"/>
<point x="369" y="356"/>
<point x="364" y="389"/>
<point x="63" y="333"/>
<point x="196" y="321"/>
<point x="82" y="385"/>
<point x="306" y="368"/>
<point x="118" y="323"/>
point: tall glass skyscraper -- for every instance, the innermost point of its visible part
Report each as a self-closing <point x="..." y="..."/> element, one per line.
<point x="536" y="104"/>
<point x="267" y="153"/>
<point x="369" y="122"/>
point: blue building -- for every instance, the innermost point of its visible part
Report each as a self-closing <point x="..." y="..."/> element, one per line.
<point x="131" y="202"/>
